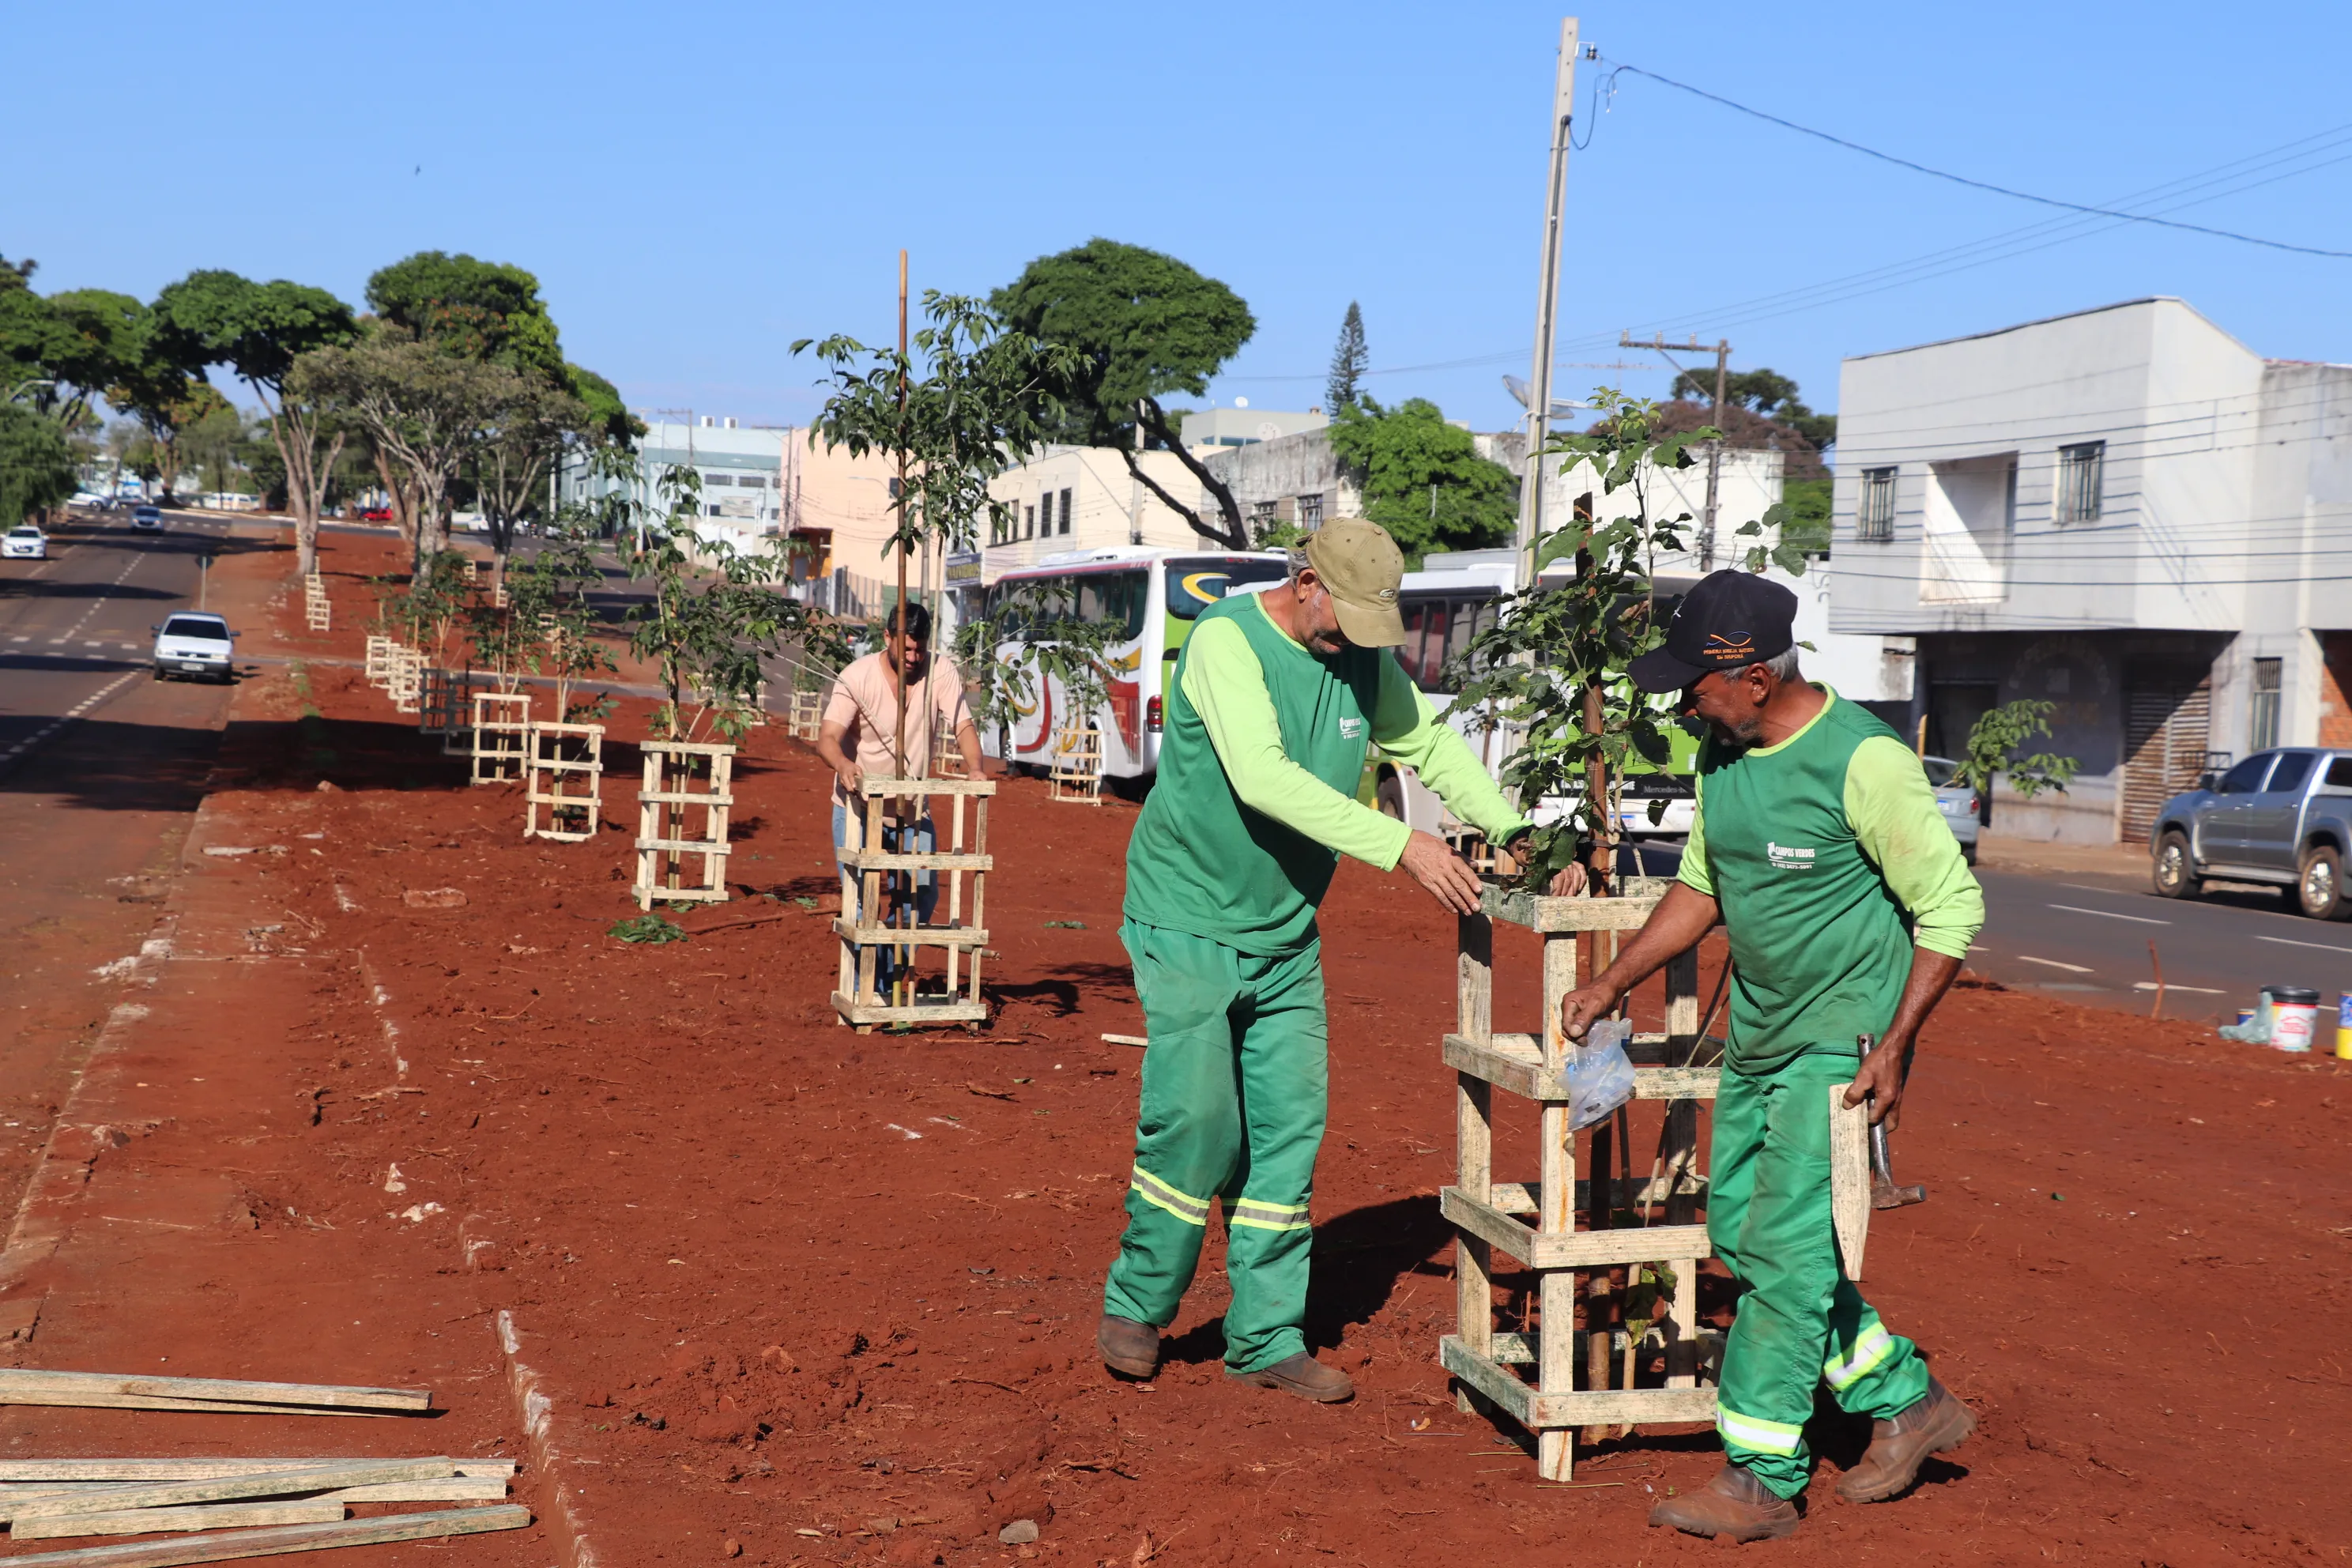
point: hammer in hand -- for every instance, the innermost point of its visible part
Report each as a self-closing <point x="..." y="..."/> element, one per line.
<point x="1883" y="1193"/>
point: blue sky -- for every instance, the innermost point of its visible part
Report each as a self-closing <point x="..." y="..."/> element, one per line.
<point x="698" y="187"/>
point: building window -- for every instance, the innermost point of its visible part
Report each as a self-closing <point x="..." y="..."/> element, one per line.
<point x="2265" y="705"/>
<point x="1028" y="522"/>
<point x="1310" y="512"/>
<point x="1874" y="516"/>
<point x="1065" y="511"/>
<point x="2081" y="477"/>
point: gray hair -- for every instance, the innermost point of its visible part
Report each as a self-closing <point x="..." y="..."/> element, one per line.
<point x="1297" y="557"/>
<point x="1783" y="666"/>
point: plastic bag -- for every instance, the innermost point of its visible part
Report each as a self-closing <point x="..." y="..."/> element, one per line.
<point x="1600" y="1074"/>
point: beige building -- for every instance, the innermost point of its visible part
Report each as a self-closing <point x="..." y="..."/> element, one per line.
<point x="1083" y="498"/>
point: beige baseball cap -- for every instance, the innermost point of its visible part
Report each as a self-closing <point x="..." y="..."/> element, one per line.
<point x="1362" y="569"/>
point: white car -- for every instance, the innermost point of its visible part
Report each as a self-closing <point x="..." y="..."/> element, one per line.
<point x="1961" y="805"/>
<point x="24" y="542"/>
<point x="195" y="642"/>
<point x="92" y="500"/>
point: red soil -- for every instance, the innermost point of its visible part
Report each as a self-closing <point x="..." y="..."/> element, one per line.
<point x="830" y="1296"/>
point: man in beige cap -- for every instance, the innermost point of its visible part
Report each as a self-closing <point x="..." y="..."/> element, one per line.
<point x="1274" y="701"/>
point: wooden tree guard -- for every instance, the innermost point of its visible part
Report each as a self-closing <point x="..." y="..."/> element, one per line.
<point x="564" y="772"/>
<point x="405" y="685"/>
<point x="864" y="934"/>
<point x="316" y="607"/>
<point x="807" y="715"/>
<point x="1535" y="1223"/>
<point x="673" y="786"/>
<point x="501" y="735"/>
<point x="378" y="660"/>
<point x="1077" y="767"/>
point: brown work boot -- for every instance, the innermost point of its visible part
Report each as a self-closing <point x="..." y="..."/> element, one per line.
<point x="1129" y="1347"/>
<point x="1303" y="1375"/>
<point x="1735" y="1504"/>
<point x="1936" y="1423"/>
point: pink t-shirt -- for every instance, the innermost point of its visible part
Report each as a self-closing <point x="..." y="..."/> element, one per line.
<point x="865" y="704"/>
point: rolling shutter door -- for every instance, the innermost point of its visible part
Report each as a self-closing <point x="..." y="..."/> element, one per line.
<point x="2166" y="709"/>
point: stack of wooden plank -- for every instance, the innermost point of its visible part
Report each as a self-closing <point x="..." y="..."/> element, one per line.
<point x="27" y="1385"/>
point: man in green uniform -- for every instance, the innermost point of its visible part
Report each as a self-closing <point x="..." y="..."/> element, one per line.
<point x="1273" y="701"/>
<point x="1848" y="908"/>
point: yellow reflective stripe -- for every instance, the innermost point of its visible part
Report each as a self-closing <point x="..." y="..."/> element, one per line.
<point x="1873" y="1347"/>
<point x="1755" y="1433"/>
<point x="1160" y="1195"/>
<point x="1241" y="1219"/>
<point x="1259" y="1215"/>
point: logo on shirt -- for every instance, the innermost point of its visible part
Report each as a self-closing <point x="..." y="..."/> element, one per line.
<point x="1351" y="729"/>
<point x="1786" y="858"/>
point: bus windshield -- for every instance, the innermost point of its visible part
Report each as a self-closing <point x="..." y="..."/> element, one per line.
<point x="1119" y="597"/>
<point x="1197" y="582"/>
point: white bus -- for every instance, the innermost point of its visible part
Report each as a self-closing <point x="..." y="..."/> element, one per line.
<point x="1155" y="593"/>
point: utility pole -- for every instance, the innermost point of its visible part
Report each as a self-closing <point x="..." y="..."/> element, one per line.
<point x="1563" y="109"/>
<point x="1135" y="485"/>
<point x="1722" y="352"/>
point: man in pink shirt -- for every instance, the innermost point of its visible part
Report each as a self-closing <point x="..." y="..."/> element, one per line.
<point x="862" y="733"/>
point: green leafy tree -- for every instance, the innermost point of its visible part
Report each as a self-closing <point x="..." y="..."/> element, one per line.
<point x="1992" y="752"/>
<point x="971" y="399"/>
<point x="1349" y="360"/>
<point x="36" y="467"/>
<point x="1552" y="665"/>
<point x="1008" y="656"/>
<point x="260" y="331"/>
<point x="1762" y="391"/>
<point x="704" y="627"/>
<point x="608" y="417"/>
<point x="1422" y="478"/>
<point x="1141" y="325"/>
<point x="438" y="598"/>
<point x="471" y="309"/>
<point x="103" y="339"/>
<point x="519" y="438"/>
<point x="31" y="336"/>
<point x="423" y="411"/>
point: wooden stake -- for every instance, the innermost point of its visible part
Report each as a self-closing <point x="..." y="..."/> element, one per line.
<point x="1849" y="1177"/>
<point x="229" y="1545"/>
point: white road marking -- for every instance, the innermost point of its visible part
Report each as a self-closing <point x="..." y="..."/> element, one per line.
<point x="2053" y="964"/>
<point x="2285" y="942"/>
<point x="2199" y="990"/>
<point x="2109" y="914"/>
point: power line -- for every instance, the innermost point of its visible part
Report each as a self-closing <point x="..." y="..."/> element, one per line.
<point x="1980" y="185"/>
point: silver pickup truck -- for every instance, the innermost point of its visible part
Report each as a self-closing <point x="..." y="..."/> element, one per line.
<point x="2282" y="817"/>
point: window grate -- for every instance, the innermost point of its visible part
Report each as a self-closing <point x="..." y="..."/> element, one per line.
<point x="2265" y="705"/>
<point x="2082" y="477"/>
<point x="1875" y="516"/>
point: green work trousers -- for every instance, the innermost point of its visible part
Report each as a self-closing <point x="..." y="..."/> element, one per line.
<point x="1801" y="1322"/>
<point x="1235" y="1090"/>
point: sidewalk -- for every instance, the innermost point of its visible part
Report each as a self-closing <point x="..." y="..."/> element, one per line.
<point x="2128" y="861"/>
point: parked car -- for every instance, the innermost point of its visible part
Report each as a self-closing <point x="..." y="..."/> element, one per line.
<point x="376" y="514"/>
<point x="24" y="542"/>
<point x="91" y="501"/>
<point x="195" y="642"/>
<point x="148" y="519"/>
<point x="1962" y="807"/>
<point x="2281" y="817"/>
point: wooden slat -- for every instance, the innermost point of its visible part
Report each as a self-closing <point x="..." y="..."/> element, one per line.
<point x="220" y="1488"/>
<point x="940" y="1012"/>
<point x="17" y="1381"/>
<point x="883" y="860"/>
<point x="214" y="1406"/>
<point x="1517" y="1198"/>
<point x="24" y="1472"/>
<point x="228" y="1545"/>
<point x="1511" y="1062"/>
<point x="1544" y="1412"/>
<point x="908" y="936"/>
<point x="1848" y="1178"/>
<point x="155" y="1520"/>
<point x="1579" y="1249"/>
<point x="1541" y="913"/>
<point x="456" y="1489"/>
<point x="876" y="785"/>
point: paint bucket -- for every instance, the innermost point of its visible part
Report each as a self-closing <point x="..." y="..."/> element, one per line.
<point x="2246" y="1015"/>
<point x="2344" y="1027"/>
<point x="2294" y="1010"/>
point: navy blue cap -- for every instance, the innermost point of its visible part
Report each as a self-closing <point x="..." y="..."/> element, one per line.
<point x="1731" y="620"/>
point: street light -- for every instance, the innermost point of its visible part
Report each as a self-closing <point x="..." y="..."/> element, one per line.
<point x="35" y="381"/>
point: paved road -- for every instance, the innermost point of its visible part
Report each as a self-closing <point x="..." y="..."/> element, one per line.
<point x="2085" y="936"/>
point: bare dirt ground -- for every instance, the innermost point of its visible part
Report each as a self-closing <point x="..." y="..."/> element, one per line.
<point x="799" y="1295"/>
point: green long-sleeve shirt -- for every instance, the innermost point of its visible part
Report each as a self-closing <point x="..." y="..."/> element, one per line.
<point x="1225" y="682"/>
<point x="1831" y="863"/>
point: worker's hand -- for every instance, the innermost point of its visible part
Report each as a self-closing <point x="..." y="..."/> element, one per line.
<point x="1880" y="1080"/>
<point x="1445" y="874"/>
<point x="1586" y="1006"/>
<point x="850" y="774"/>
<point x="1567" y="881"/>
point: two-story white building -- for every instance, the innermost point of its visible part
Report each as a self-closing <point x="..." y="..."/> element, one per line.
<point x="2125" y="512"/>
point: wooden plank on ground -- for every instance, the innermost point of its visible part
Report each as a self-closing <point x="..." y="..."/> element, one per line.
<point x="155" y="1402"/>
<point x="229" y="1545"/>
<point x="155" y="1520"/>
<point x="14" y="1381"/>
<point x="218" y="1489"/>
<point x="456" y="1489"/>
<point x="110" y="1468"/>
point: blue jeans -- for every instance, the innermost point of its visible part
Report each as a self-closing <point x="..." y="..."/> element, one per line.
<point x="919" y="837"/>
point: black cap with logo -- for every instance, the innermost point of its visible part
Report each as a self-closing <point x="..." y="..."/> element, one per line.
<point x="1731" y="620"/>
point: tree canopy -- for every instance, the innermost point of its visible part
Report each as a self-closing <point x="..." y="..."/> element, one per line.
<point x="472" y="309"/>
<point x="36" y="469"/>
<point x="1422" y="478"/>
<point x="1142" y="325"/>
<point x="1764" y="392"/>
